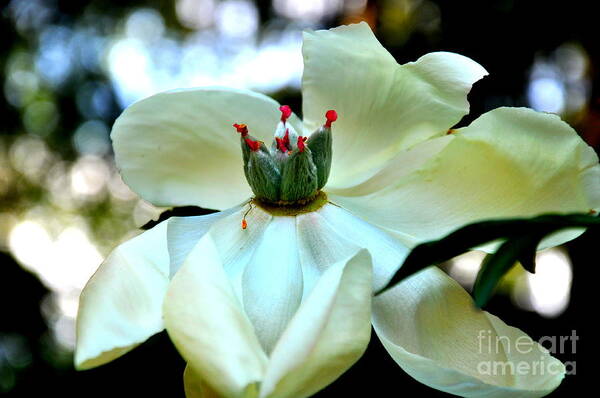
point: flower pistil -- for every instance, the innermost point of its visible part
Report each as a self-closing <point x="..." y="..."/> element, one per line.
<point x="294" y="169"/>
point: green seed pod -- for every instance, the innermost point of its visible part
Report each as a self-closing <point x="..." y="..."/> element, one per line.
<point x="298" y="175"/>
<point x="320" y="146"/>
<point x="262" y="172"/>
<point x="243" y="130"/>
<point x="280" y="158"/>
<point x="292" y="172"/>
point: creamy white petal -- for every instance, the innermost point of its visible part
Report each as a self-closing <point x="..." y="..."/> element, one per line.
<point x="235" y="245"/>
<point x="431" y="328"/>
<point x="121" y="305"/>
<point x="236" y="249"/>
<point x="183" y="233"/>
<point x="327" y="335"/>
<point x="383" y="107"/>
<point x="179" y="147"/>
<point x="319" y="247"/>
<point x="327" y="325"/>
<point x="195" y="387"/>
<point x="332" y="234"/>
<point x="272" y="281"/>
<point x="208" y="326"/>
<point x="387" y="252"/>
<point x="404" y="163"/>
<point x="510" y="162"/>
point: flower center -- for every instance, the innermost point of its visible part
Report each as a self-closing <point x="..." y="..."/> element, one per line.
<point x="290" y="174"/>
<point x="293" y="209"/>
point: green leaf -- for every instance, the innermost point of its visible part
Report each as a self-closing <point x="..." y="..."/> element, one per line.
<point x="527" y="231"/>
<point x="181" y="211"/>
<point x="529" y="250"/>
<point x="496" y="265"/>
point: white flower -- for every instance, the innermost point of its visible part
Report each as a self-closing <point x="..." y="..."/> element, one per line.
<point x="283" y="307"/>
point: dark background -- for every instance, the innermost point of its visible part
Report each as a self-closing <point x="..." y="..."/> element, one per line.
<point x="43" y="105"/>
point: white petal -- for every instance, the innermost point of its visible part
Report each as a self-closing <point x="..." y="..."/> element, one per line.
<point x="386" y="251"/>
<point x="319" y="246"/>
<point x="121" y="305"/>
<point x="179" y="147"/>
<point x="332" y="234"/>
<point x="431" y="328"/>
<point x="404" y="163"/>
<point x="272" y="281"/>
<point x="183" y="233"/>
<point x="268" y="266"/>
<point x="235" y="245"/>
<point x="510" y="162"/>
<point x="327" y="335"/>
<point x="383" y="107"/>
<point x="206" y="322"/>
<point x="195" y="387"/>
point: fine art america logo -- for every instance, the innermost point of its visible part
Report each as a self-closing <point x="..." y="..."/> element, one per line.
<point x="523" y="355"/>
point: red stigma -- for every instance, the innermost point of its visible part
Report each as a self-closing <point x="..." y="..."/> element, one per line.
<point x="244" y="224"/>
<point x="241" y="128"/>
<point x="286" y="138"/>
<point x="286" y="111"/>
<point x="284" y="143"/>
<point x="280" y="144"/>
<point x="253" y="145"/>
<point x="331" y="117"/>
<point x="301" y="143"/>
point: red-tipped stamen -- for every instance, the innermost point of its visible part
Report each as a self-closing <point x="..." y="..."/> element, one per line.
<point x="244" y="222"/>
<point x="241" y="128"/>
<point x="253" y="145"/>
<point x="331" y="117"/>
<point x="286" y="111"/>
<point x="301" y="143"/>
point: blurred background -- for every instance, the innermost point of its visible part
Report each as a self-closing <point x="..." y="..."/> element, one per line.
<point x="68" y="68"/>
